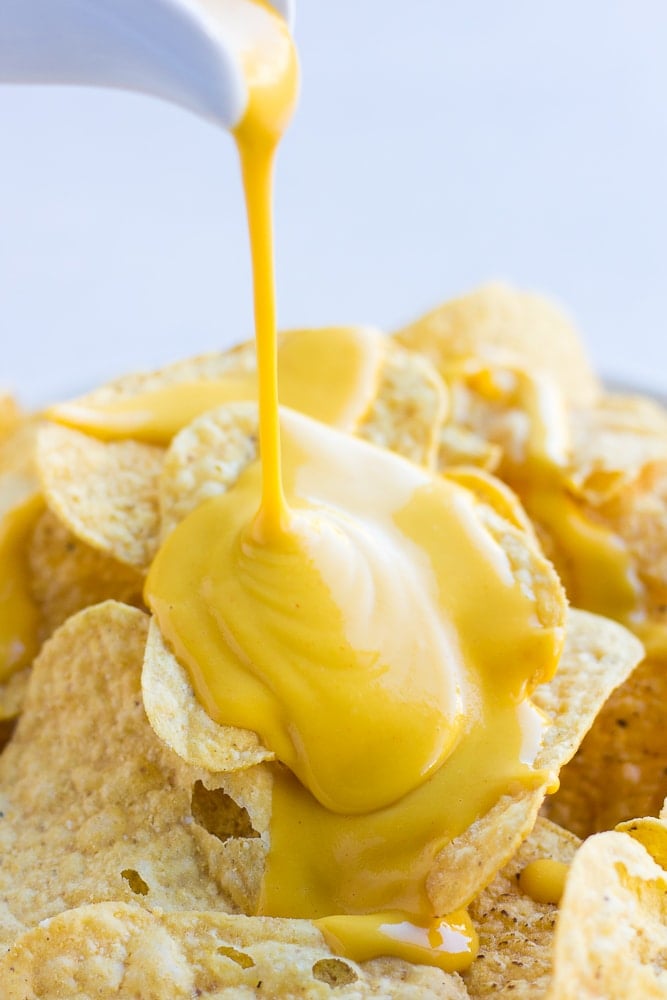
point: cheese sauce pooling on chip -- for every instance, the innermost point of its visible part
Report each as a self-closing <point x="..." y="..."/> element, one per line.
<point x="330" y="374"/>
<point x="355" y="612"/>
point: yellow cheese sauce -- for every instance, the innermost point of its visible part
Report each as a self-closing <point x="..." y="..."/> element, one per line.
<point x="544" y="880"/>
<point x="596" y="565"/>
<point x="272" y="77"/>
<point x="594" y="562"/>
<point x="322" y="862"/>
<point x="18" y="613"/>
<point x="330" y="374"/>
<point x="450" y="943"/>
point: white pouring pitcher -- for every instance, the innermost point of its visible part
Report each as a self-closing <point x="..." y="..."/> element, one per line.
<point x="184" y="51"/>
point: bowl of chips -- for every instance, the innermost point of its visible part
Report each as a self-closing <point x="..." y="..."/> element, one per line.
<point x="138" y="830"/>
<point x="332" y="664"/>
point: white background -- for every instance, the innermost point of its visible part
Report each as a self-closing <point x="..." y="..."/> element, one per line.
<point x="437" y="145"/>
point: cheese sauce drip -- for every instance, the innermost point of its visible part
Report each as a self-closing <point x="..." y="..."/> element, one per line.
<point x="356" y="613"/>
<point x="271" y="72"/>
<point x="597" y="566"/>
<point x="544" y="880"/>
<point x="450" y="943"/>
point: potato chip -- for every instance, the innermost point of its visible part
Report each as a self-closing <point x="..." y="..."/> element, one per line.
<point x="19" y="617"/>
<point x="637" y="515"/>
<point x="605" y="516"/>
<point x="179" y="720"/>
<point x="500" y="324"/>
<point x="599" y="655"/>
<point x="521" y="416"/>
<point x="204" y="470"/>
<point x="409" y="409"/>
<point x="68" y="575"/>
<point x="112" y="950"/>
<point x="515" y="932"/>
<point x="620" y="770"/>
<point x="94" y="807"/>
<point x="611" y="937"/>
<point x="206" y="458"/>
<point x="105" y="494"/>
<point x="494" y="493"/>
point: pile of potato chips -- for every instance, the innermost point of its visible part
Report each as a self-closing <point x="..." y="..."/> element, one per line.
<point x="134" y="830"/>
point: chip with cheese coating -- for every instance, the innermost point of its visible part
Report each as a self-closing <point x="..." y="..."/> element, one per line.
<point x="498" y="323"/>
<point x="651" y="833"/>
<point x="598" y="656"/>
<point x="331" y="373"/>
